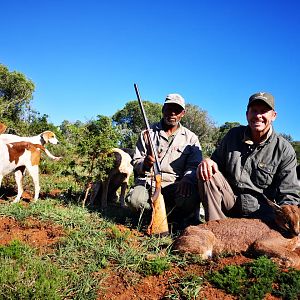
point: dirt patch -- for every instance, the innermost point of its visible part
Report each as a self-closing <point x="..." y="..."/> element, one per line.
<point x="128" y="285"/>
<point x="119" y="286"/>
<point x="33" y="232"/>
<point x="114" y="285"/>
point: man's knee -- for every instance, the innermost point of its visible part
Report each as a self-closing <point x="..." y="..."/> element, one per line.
<point x="138" y="198"/>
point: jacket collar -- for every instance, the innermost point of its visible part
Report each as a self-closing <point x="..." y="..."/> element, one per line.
<point x="247" y="136"/>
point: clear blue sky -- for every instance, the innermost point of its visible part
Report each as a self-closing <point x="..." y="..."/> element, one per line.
<point x="84" y="56"/>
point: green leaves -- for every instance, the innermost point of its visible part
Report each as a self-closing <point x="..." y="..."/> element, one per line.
<point x="155" y="266"/>
<point x="130" y="120"/>
<point x="15" y="94"/>
<point x="254" y="280"/>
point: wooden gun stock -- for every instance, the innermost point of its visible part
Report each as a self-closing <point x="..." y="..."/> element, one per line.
<point x="159" y="222"/>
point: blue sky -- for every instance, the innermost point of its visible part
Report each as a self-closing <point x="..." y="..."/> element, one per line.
<point x="85" y="56"/>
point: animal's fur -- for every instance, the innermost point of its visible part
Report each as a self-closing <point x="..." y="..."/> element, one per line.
<point x="243" y="235"/>
<point x="117" y="177"/>
<point x="18" y="156"/>
<point x="41" y="139"/>
<point x="2" y="128"/>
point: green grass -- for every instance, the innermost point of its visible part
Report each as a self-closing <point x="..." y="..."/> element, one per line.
<point x="187" y="287"/>
<point x="91" y="243"/>
<point x="23" y="275"/>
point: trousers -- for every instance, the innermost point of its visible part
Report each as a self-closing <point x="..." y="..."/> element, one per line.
<point x="219" y="201"/>
<point x="139" y="199"/>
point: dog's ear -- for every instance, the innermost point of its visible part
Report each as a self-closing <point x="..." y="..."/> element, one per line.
<point x="45" y="136"/>
<point x="2" y="128"/>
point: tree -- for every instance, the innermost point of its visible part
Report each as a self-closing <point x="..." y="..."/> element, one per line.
<point x="198" y="121"/>
<point x="94" y="141"/>
<point x="130" y="123"/>
<point x="296" y="146"/>
<point x="15" y="95"/>
<point x="223" y="130"/>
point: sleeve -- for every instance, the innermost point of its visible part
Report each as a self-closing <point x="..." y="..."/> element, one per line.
<point x="219" y="155"/>
<point x="139" y="155"/>
<point x="193" y="160"/>
<point x="288" y="185"/>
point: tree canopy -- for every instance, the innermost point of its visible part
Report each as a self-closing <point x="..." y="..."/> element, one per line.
<point x="130" y="120"/>
<point x="15" y="94"/>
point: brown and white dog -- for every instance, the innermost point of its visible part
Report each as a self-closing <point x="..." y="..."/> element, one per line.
<point x="16" y="157"/>
<point x="41" y="139"/>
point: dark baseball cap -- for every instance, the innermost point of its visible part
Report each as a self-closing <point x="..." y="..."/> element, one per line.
<point x="264" y="97"/>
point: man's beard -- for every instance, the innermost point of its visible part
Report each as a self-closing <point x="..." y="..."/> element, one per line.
<point x="170" y="123"/>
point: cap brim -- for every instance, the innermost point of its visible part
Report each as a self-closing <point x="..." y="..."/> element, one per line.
<point x="259" y="99"/>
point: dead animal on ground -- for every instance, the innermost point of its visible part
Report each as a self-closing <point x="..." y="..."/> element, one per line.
<point x="247" y="236"/>
<point x="15" y="157"/>
<point x="118" y="177"/>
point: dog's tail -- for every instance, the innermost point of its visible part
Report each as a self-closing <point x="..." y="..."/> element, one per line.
<point x="48" y="153"/>
<point x="51" y="155"/>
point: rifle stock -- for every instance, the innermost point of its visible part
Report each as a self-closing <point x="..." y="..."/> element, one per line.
<point x="159" y="222"/>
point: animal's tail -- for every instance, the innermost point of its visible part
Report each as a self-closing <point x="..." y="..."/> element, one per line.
<point x="51" y="155"/>
<point x="48" y="153"/>
<point x="30" y="146"/>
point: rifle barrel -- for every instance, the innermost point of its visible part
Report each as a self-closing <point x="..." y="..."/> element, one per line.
<point x="157" y="169"/>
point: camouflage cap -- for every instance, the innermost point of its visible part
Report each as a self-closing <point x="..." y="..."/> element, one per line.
<point x="175" y="98"/>
<point x="264" y="97"/>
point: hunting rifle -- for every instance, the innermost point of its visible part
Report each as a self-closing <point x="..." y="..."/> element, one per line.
<point x="159" y="223"/>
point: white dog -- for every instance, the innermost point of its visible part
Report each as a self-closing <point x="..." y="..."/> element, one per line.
<point x="41" y="139"/>
<point x="14" y="142"/>
<point x="18" y="156"/>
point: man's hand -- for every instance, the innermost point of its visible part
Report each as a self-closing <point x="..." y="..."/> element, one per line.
<point x="148" y="162"/>
<point x="206" y="169"/>
<point x="184" y="188"/>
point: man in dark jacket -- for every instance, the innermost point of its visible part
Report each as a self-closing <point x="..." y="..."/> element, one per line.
<point x="252" y="164"/>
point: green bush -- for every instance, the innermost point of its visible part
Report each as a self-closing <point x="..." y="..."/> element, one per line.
<point x="254" y="280"/>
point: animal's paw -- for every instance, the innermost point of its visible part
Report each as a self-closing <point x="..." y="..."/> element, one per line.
<point x="56" y="158"/>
